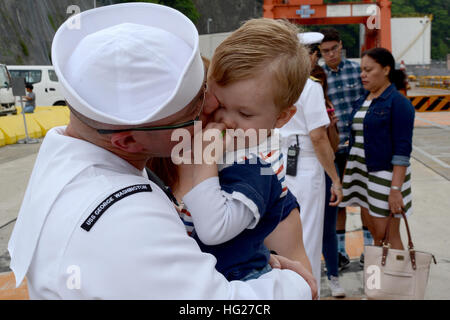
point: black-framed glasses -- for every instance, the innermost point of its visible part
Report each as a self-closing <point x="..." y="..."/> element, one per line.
<point x="167" y="127"/>
<point x="326" y="52"/>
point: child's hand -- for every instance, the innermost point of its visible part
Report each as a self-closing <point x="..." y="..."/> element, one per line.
<point x="281" y="262"/>
<point x="214" y="142"/>
<point x="208" y="150"/>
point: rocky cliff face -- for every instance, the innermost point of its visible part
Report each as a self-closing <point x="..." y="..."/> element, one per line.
<point x="226" y="15"/>
<point x="27" y="27"/>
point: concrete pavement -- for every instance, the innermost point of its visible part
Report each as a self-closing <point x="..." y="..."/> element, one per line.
<point x="16" y="163"/>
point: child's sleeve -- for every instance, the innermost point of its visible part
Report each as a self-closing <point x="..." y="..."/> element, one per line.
<point x="221" y="211"/>
<point x="290" y="203"/>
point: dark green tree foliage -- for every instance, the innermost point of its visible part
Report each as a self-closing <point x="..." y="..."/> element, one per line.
<point x="185" y="6"/>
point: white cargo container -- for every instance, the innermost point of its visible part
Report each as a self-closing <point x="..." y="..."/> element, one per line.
<point x="411" y="40"/>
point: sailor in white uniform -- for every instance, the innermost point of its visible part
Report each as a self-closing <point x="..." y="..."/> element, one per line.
<point x="307" y="152"/>
<point x="92" y="225"/>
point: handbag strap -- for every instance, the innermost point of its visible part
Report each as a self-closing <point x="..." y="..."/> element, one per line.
<point x="386" y="243"/>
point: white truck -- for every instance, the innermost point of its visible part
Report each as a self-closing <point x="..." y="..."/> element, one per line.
<point x="7" y="100"/>
<point x="45" y="83"/>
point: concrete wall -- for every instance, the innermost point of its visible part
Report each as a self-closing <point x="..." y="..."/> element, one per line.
<point x="209" y="43"/>
<point x="226" y="15"/>
<point x="27" y="28"/>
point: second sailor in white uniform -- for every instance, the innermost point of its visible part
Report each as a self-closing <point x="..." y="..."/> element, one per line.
<point x="308" y="152"/>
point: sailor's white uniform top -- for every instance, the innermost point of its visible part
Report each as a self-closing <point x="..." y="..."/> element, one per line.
<point x="93" y="226"/>
<point x="308" y="185"/>
<point x="311" y="114"/>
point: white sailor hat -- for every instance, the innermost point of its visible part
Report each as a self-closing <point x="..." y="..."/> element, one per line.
<point x="128" y="64"/>
<point x="308" y="38"/>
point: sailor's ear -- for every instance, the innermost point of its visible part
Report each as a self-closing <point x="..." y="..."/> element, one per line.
<point x="126" y="141"/>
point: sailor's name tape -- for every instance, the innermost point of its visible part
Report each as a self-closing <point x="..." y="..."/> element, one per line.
<point x="110" y="200"/>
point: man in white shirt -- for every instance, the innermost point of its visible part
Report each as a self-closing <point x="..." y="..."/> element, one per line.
<point x="92" y="225"/>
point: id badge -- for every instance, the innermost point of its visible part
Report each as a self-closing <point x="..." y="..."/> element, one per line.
<point x="292" y="160"/>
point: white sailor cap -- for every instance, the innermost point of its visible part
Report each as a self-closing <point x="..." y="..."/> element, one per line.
<point x="308" y="38"/>
<point x="128" y="64"/>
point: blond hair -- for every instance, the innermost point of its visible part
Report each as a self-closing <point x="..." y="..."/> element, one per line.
<point x="259" y="45"/>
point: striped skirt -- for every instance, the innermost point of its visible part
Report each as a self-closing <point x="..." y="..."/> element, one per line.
<point x="370" y="190"/>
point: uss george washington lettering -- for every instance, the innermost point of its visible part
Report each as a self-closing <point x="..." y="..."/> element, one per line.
<point x="110" y="200"/>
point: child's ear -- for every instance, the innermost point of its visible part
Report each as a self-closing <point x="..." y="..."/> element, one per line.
<point x="285" y="116"/>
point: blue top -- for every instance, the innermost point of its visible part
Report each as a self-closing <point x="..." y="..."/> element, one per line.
<point x="388" y="130"/>
<point x="246" y="252"/>
<point x="344" y="88"/>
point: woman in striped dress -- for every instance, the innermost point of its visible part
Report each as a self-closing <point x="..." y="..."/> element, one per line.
<point x="378" y="175"/>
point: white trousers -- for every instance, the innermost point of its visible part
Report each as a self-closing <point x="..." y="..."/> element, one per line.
<point x="308" y="186"/>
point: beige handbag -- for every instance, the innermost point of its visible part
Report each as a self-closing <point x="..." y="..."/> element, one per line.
<point x="391" y="274"/>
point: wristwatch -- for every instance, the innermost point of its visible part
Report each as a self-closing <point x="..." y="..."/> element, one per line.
<point x="395" y="188"/>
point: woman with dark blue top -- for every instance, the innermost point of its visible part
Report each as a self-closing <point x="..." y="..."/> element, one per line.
<point x="378" y="176"/>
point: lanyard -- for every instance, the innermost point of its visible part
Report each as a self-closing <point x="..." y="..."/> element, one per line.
<point x="153" y="177"/>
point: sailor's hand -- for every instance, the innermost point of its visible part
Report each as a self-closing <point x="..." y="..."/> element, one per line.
<point x="280" y="262"/>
